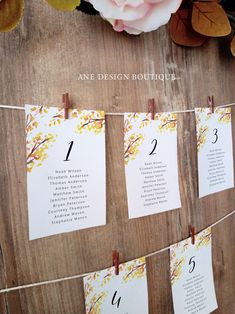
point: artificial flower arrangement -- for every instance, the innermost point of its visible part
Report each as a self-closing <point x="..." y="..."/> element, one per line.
<point x="191" y="22"/>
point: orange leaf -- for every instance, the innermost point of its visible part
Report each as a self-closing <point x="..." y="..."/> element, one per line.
<point x="232" y="46"/>
<point x="181" y="30"/>
<point x="210" y="19"/>
<point x="11" y="12"/>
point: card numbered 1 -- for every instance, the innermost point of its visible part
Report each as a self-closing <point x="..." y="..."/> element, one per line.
<point x="215" y="150"/>
<point x="192" y="275"/>
<point x="125" y="293"/>
<point x="65" y="164"/>
<point x="151" y="166"/>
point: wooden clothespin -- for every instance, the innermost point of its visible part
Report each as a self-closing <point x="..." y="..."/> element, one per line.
<point x="210" y="103"/>
<point x="151" y="107"/>
<point x="67" y="106"/>
<point x="192" y="234"/>
<point x="116" y="262"/>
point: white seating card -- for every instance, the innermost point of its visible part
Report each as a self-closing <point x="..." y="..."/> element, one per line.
<point x="215" y="150"/>
<point x="192" y="275"/>
<point x="65" y="170"/>
<point x="151" y="167"/>
<point x="126" y="293"/>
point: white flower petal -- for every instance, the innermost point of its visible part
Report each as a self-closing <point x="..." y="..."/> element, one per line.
<point x="131" y="3"/>
<point x="158" y="16"/>
<point x="120" y="27"/>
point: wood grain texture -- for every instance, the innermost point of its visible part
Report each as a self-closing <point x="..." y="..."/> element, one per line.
<point x="42" y="59"/>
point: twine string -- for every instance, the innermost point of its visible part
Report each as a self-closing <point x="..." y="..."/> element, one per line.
<point x="121" y="113"/>
<point x="47" y="282"/>
<point x="42" y="283"/>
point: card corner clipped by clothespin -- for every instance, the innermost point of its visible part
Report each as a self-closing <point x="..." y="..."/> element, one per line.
<point x="210" y="103"/>
<point x="67" y="105"/>
<point x="116" y="261"/>
<point x="192" y="234"/>
<point x="151" y="107"/>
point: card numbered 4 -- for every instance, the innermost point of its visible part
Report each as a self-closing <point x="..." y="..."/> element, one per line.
<point x="192" y="275"/>
<point x="214" y="150"/>
<point x="151" y="166"/>
<point x="65" y="165"/>
<point x="125" y="293"/>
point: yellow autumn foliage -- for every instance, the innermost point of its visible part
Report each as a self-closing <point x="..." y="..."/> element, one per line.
<point x="131" y="145"/>
<point x="91" y="121"/>
<point x="94" y="305"/>
<point x="64" y="5"/>
<point x="176" y="269"/>
<point x="11" y="12"/>
<point x="37" y="149"/>
<point x="201" y="136"/>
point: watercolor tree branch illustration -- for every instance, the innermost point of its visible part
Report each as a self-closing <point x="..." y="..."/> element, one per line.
<point x="128" y="122"/>
<point x="136" y="272"/>
<point x="31" y="118"/>
<point x="131" y="145"/>
<point x="201" y="136"/>
<point x="88" y="120"/>
<point x="204" y="239"/>
<point x="168" y="122"/>
<point x="176" y="269"/>
<point x="225" y="117"/>
<point x="36" y="149"/>
<point x="94" y="305"/>
<point x="93" y="121"/>
<point x="57" y="118"/>
<point x="107" y="278"/>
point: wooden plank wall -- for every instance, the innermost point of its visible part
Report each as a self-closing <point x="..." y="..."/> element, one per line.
<point x="39" y="61"/>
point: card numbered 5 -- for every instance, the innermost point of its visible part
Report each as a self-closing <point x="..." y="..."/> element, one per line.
<point x="192" y="275"/>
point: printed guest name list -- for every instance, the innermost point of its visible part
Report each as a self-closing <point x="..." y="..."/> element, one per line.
<point x="69" y="198"/>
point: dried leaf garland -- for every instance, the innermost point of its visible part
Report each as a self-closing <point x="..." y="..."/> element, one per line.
<point x="181" y="30"/>
<point x="11" y="12"/>
<point x="232" y="46"/>
<point x="209" y="18"/>
<point x="64" y="5"/>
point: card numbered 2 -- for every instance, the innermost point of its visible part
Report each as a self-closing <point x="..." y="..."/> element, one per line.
<point x="151" y="166"/>
<point x="125" y="293"/>
<point x="214" y="150"/>
<point x="192" y="275"/>
<point x="65" y="164"/>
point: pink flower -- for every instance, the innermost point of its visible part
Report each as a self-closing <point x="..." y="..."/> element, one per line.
<point x="136" y="16"/>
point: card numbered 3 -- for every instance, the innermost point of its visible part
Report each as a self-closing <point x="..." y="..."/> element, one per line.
<point x="214" y="150"/>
